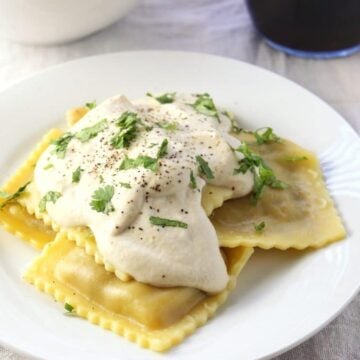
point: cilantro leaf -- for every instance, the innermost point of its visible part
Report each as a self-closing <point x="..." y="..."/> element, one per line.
<point x="50" y="196"/>
<point x="10" y="197"/>
<point x="295" y="158"/>
<point x="168" y="126"/>
<point x="204" y="104"/>
<point x="192" y="183"/>
<point x="234" y="125"/>
<point x="265" y="135"/>
<point x="142" y="160"/>
<point x="101" y="199"/>
<point x="162" y="149"/>
<point x="76" y="175"/>
<point x="263" y="174"/>
<point x="166" y="98"/>
<point x="154" y="220"/>
<point x="125" y="185"/>
<point x="48" y="166"/>
<point x="128" y="128"/>
<point x="259" y="227"/>
<point x="86" y="134"/>
<point x="68" y="307"/>
<point x="61" y="144"/>
<point x="204" y="167"/>
<point x="91" y="105"/>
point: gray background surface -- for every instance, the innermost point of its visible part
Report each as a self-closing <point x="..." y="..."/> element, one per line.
<point x="223" y="28"/>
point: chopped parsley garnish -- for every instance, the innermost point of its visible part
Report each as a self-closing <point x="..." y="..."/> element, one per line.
<point x="76" y="175"/>
<point x="145" y="161"/>
<point x="166" y="98"/>
<point x="152" y="145"/>
<point x="204" y="167"/>
<point x="10" y="197"/>
<point x="192" y="183"/>
<point x="204" y="104"/>
<point x="61" y="144"/>
<point x="263" y="174"/>
<point x="68" y="307"/>
<point x="167" y="222"/>
<point x="50" y="196"/>
<point x="101" y="200"/>
<point x="168" y="126"/>
<point x="142" y="160"/>
<point x="48" y="166"/>
<point x="234" y="125"/>
<point x="265" y="135"/>
<point x="128" y="128"/>
<point x="295" y="158"/>
<point x="125" y="185"/>
<point x="162" y="149"/>
<point x="86" y="134"/>
<point x="91" y="105"/>
<point x="259" y="227"/>
<point x="101" y="178"/>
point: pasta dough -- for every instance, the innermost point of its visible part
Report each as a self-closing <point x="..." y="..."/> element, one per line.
<point x="152" y="317"/>
<point x="301" y="216"/>
<point x="17" y="219"/>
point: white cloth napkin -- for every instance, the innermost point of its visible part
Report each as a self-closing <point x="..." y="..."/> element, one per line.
<point x="224" y="28"/>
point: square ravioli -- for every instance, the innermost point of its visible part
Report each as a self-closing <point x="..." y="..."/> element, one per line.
<point x="15" y="216"/>
<point x="302" y="215"/>
<point x="155" y="318"/>
<point x="23" y="218"/>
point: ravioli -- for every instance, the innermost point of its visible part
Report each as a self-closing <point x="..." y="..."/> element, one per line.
<point x="24" y="219"/>
<point x="17" y="219"/>
<point x="301" y="216"/>
<point x="155" y="318"/>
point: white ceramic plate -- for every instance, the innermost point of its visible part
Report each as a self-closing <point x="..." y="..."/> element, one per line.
<point x="281" y="299"/>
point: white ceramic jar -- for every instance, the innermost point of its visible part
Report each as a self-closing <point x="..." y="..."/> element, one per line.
<point x="46" y="22"/>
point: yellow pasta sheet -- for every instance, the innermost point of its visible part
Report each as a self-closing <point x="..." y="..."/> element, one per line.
<point x="301" y="216"/>
<point x="16" y="218"/>
<point x="155" y="318"/>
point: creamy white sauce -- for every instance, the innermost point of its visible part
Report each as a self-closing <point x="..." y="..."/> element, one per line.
<point x="161" y="256"/>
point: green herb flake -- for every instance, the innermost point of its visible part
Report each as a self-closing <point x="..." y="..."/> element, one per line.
<point x="166" y="98"/>
<point x="10" y="197"/>
<point x="263" y="174"/>
<point x="162" y="149"/>
<point x="76" y="175"/>
<point x="168" y="126"/>
<point x="234" y="125"/>
<point x="86" y="134"/>
<point x="143" y="160"/>
<point x="152" y="145"/>
<point x="48" y="166"/>
<point x="61" y="144"/>
<point x="204" y="104"/>
<point x="265" y="135"/>
<point x="101" y="200"/>
<point x="259" y="227"/>
<point x="101" y="178"/>
<point x="295" y="158"/>
<point x="154" y="220"/>
<point x="69" y="308"/>
<point x="204" y="167"/>
<point x="192" y="183"/>
<point x="50" y="196"/>
<point x="125" y="185"/>
<point x="127" y="123"/>
<point x="4" y="194"/>
<point x="91" y="105"/>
